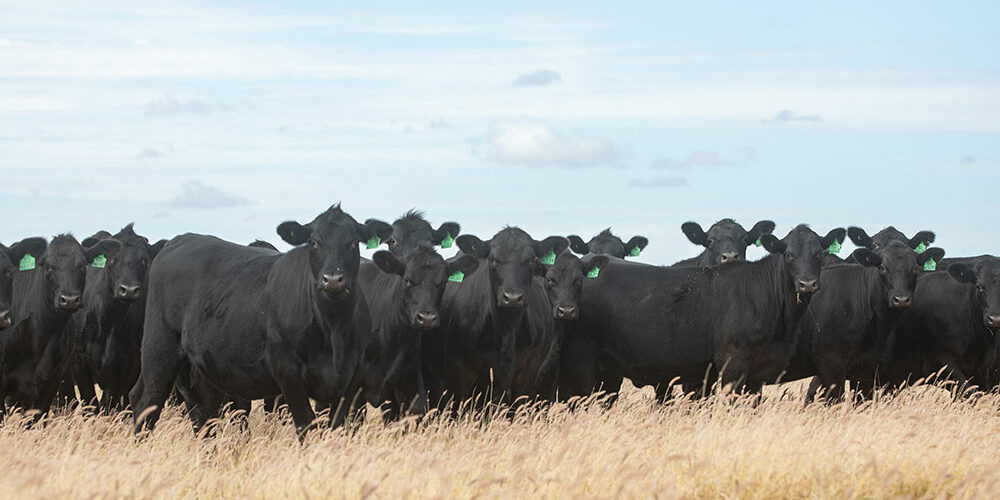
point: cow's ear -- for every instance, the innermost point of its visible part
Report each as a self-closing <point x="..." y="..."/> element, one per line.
<point x="374" y="232"/>
<point x="32" y="246"/>
<point x="772" y="244"/>
<point x="962" y="273"/>
<point x="446" y="234"/>
<point x="635" y="245"/>
<point x="472" y="245"/>
<point x="866" y="257"/>
<point x="155" y="248"/>
<point x="98" y="236"/>
<point x="935" y="253"/>
<point x="859" y="237"/>
<point x="108" y="248"/>
<point x="596" y="262"/>
<point x="577" y="245"/>
<point x="551" y="246"/>
<point x="759" y="229"/>
<point x="465" y="264"/>
<point x="925" y="237"/>
<point x="695" y="233"/>
<point x="294" y="233"/>
<point x="838" y="235"/>
<point x="388" y="262"/>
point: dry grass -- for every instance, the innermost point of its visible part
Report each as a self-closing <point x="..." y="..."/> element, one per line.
<point x="919" y="444"/>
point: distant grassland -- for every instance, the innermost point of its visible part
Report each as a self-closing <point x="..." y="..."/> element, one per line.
<point x="920" y="443"/>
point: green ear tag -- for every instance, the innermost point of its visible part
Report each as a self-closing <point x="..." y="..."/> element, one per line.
<point x="593" y="273"/>
<point x="457" y="277"/>
<point x="634" y="252"/>
<point x="100" y="261"/>
<point x="757" y="243"/>
<point x="447" y="241"/>
<point x="920" y="248"/>
<point x="549" y="258"/>
<point x="834" y="247"/>
<point x="27" y="263"/>
<point x="930" y="265"/>
<point x="374" y="242"/>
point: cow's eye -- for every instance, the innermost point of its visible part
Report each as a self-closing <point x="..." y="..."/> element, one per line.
<point x="710" y="242"/>
<point x="393" y="242"/>
<point x="549" y="282"/>
<point x="883" y="270"/>
<point x="50" y="269"/>
<point x="789" y="257"/>
<point x="408" y="282"/>
<point x="315" y="245"/>
<point x="980" y="288"/>
<point x="493" y="262"/>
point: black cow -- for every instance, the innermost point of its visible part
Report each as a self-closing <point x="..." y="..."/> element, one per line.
<point x="411" y="230"/>
<point x="47" y="289"/>
<point x="606" y="243"/>
<point x="404" y="296"/>
<point x="859" y="237"/>
<point x="953" y="324"/>
<point x="849" y="331"/>
<point x="735" y="321"/>
<point x="9" y="261"/>
<point x="255" y="323"/>
<point x="725" y="241"/>
<point x="497" y="330"/>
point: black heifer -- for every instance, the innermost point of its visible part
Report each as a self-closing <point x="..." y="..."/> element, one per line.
<point x="404" y="296"/>
<point x="254" y="323"/>
<point x="725" y="241"/>
<point x="736" y="321"/>
<point x="859" y="237"/>
<point x="10" y="259"/>
<point x="497" y="329"/>
<point x="849" y="330"/>
<point x="606" y="243"/>
<point x="47" y="289"/>
<point x="411" y="230"/>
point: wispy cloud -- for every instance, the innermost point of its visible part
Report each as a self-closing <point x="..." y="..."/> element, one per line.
<point x="968" y="159"/>
<point x="787" y="115"/>
<point x="537" y="78"/>
<point x="704" y="159"/>
<point x="658" y="182"/>
<point x="149" y="154"/>
<point x="532" y="142"/>
<point x="173" y="106"/>
<point x="196" y="195"/>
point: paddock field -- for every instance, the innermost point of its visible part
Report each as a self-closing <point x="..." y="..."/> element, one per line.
<point x="920" y="443"/>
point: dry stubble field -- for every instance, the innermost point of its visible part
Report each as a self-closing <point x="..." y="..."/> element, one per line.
<point x="918" y="444"/>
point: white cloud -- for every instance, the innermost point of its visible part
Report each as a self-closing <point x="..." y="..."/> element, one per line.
<point x="198" y="196"/>
<point x="537" y="78"/>
<point x="531" y="142"/>
<point x="787" y="115"/>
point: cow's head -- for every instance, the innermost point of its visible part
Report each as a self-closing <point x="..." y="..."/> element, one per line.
<point x="986" y="280"/>
<point x="9" y="261"/>
<point x="606" y="243"/>
<point x="564" y="282"/>
<point x="514" y="258"/>
<point x="412" y="230"/>
<point x="332" y="240"/>
<point x="424" y="274"/>
<point x="127" y="271"/>
<point x="859" y="237"/>
<point x="726" y="240"/>
<point x="802" y="252"/>
<point x="898" y="267"/>
<point x="65" y="264"/>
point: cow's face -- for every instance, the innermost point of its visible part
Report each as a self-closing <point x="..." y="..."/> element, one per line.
<point x="802" y="252"/>
<point x="9" y="260"/>
<point x="332" y="240"/>
<point x="726" y="240"/>
<point x="424" y="275"/>
<point x="513" y="258"/>
<point x="606" y="243"/>
<point x="898" y="267"/>
<point x="986" y="281"/>
<point x="886" y="236"/>
<point x="411" y="230"/>
<point x="65" y="264"/>
<point x="128" y="270"/>
<point x="564" y="283"/>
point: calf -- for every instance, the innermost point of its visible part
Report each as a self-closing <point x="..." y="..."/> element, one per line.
<point x="606" y="243"/>
<point x="411" y="230"/>
<point x="47" y="289"/>
<point x="919" y="241"/>
<point x="725" y="241"/>
<point x="254" y="323"/>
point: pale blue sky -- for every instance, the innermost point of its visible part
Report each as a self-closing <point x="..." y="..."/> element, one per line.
<point x="231" y="118"/>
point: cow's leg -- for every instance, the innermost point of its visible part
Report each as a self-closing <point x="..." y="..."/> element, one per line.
<point x="161" y="359"/>
<point x="285" y="370"/>
<point x="85" y="383"/>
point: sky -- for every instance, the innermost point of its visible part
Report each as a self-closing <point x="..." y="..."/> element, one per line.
<point x="230" y="118"/>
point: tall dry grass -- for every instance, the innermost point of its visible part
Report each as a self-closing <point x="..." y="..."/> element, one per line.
<point x="921" y="443"/>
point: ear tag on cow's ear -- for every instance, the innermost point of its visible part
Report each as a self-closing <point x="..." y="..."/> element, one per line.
<point x="930" y="265"/>
<point x="447" y="241"/>
<point x="593" y="273"/>
<point x="373" y="242"/>
<point x="27" y="263"/>
<point x="100" y="261"/>
<point x="549" y="258"/>
<point x="634" y="252"/>
<point x="920" y="249"/>
<point x="757" y="243"/>
<point x="834" y="247"/>
<point x="457" y="276"/>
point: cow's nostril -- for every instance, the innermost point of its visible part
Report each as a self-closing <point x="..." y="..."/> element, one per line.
<point x="901" y="301"/>
<point x="808" y="286"/>
<point x="69" y="302"/>
<point x="566" y="311"/>
<point x="730" y="257"/>
<point x="513" y="298"/>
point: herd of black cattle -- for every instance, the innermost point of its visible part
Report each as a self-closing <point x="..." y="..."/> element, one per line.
<point x="510" y="317"/>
